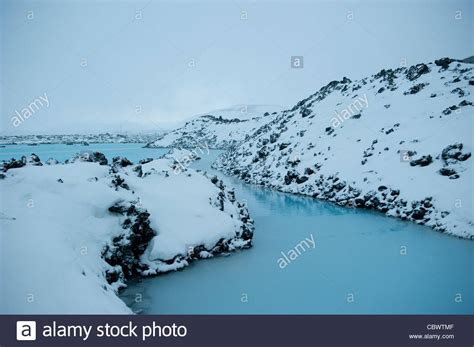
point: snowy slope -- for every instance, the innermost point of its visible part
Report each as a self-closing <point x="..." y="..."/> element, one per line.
<point x="218" y="129"/>
<point x="399" y="141"/>
<point x="72" y="234"/>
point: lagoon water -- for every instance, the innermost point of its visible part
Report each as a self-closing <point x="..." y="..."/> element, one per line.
<point x="363" y="262"/>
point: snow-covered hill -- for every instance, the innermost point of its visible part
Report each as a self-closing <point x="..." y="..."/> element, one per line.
<point x="399" y="141"/>
<point x="218" y="129"/>
<point x="75" y="232"/>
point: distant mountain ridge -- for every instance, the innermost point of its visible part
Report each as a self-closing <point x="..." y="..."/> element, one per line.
<point x="70" y="139"/>
<point x="218" y="129"/>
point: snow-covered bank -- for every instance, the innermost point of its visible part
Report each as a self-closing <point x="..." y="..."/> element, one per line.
<point x="399" y="141"/>
<point x="72" y="233"/>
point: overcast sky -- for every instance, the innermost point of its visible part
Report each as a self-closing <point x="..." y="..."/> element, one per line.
<point x="108" y="66"/>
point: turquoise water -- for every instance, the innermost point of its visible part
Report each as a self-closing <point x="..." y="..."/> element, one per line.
<point x="61" y="152"/>
<point x="362" y="262"/>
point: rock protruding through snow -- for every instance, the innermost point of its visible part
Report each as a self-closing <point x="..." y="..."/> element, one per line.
<point x="412" y="135"/>
<point x="103" y="224"/>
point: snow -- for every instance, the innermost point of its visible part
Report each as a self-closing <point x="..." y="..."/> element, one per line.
<point x="181" y="213"/>
<point x="55" y="220"/>
<point x="220" y="128"/>
<point x="243" y="111"/>
<point x="363" y="154"/>
<point x="56" y="224"/>
<point x="56" y="236"/>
